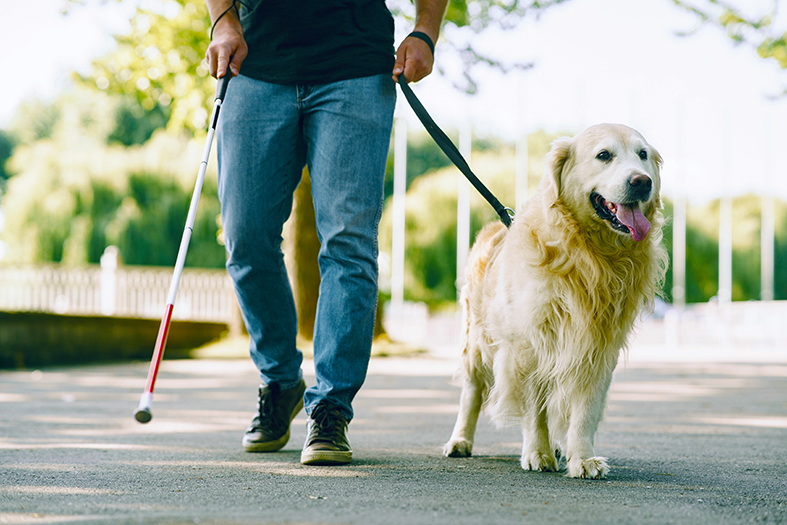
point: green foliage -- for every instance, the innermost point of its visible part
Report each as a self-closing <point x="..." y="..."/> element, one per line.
<point x="160" y="65"/>
<point x="775" y="48"/>
<point x="702" y="250"/>
<point x="72" y="194"/>
<point x="34" y="120"/>
<point x="702" y="261"/>
<point x="135" y="125"/>
<point x="754" y="29"/>
<point x="76" y="112"/>
<point x="7" y="144"/>
<point x="780" y="252"/>
<point x="423" y="155"/>
<point x="159" y="204"/>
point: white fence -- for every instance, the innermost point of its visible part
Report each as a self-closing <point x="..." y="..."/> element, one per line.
<point x="115" y="290"/>
<point x="751" y="330"/>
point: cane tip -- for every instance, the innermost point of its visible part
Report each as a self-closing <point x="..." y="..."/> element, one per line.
<point x="143" y="415"/>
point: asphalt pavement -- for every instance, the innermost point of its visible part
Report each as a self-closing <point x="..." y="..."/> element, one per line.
<point x="688" y="441"/>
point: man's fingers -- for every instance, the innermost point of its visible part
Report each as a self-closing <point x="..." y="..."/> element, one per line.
<point x="412" y="72"/>
<point x="210" y="58"/>
<point x="229" y="52"/>
<point x="413" y="59"/>
<point x="222" y="66"/>
<point x="237" y="59"/>
<point x="217" y="61"/>
<point x="399" y="64"/>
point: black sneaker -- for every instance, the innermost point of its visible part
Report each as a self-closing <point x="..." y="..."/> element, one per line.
<point x="270" y="428"/>
<point x="326" y="442"/>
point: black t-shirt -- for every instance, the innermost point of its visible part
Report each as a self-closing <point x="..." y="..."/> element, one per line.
<point x="316" y="41"/>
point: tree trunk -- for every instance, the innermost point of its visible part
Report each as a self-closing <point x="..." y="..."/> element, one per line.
<point x="301" y="250"/>
<point x="302" y="247"/>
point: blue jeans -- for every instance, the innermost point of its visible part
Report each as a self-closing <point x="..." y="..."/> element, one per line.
<point x="265" y="135"/>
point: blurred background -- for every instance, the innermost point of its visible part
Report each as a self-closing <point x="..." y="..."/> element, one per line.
<point x="103" y="119"/>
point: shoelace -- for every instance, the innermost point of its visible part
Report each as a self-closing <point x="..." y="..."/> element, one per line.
<point x="265" y="403"/>
<point x="330" y="421"/>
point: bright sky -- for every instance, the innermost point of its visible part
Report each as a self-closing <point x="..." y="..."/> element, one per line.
<point x="700" y="100"/>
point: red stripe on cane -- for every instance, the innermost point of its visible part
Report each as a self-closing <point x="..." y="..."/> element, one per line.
<point x="161" y="342"/>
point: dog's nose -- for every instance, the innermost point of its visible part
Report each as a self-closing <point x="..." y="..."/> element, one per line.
<point x="640" y="186"/>
<point x="640" y="181"/>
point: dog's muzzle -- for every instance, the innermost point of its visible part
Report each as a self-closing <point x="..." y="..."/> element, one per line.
<point x="624" y="217"/>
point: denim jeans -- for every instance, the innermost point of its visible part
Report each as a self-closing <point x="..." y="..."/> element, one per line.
<point x="265" y="135"/>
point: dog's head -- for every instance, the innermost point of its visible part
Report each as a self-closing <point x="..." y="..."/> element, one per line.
<point x="607" y="173"/>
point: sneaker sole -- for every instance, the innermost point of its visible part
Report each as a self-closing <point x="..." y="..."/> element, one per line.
<point x="326" y="457"/>
<point x="273" y="446"/>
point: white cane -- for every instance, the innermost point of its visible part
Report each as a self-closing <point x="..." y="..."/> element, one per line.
<point x="143" y="413"/>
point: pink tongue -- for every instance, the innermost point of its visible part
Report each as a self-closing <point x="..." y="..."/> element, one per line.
<point x="633" y="219"/>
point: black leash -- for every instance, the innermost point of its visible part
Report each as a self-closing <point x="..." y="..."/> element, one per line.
<point x="442" y="140"/>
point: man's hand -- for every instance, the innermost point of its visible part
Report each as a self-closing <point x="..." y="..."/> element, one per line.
<point x="228" y="41"/>
<point x="414" y="59"/>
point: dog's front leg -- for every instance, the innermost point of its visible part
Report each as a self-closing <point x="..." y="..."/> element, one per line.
<point x="461" y="443"/>
<point x="586" y="411"/>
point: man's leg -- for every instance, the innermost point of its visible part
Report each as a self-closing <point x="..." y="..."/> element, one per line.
<point x="347" y="126"/>
<point x="261" y="155"/>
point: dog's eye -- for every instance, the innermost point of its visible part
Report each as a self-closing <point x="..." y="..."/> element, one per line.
<point x="604" y="155"/>
<point x="643" y="154"/>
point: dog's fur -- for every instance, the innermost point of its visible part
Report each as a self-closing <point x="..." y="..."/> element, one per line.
<point x="549" y="304"/>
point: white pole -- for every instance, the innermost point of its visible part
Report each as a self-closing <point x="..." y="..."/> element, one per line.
<point x="725" y="250"/>
<point x="673" y="317"/>
<point x="768" y="218"/>
<point x="463" y="210"/>
<point x="400" y="188"/>
<point x="109" y="284"/>
<point x="679" y="206"/>
<point x="725" y="222"/>
<point x="679" y="252"/>
<point x="766" y="247"/>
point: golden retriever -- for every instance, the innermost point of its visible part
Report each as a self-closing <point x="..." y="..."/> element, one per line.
<point x="549" y="304"/>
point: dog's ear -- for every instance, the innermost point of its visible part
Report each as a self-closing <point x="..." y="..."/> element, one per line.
<point x="556" y="163"/>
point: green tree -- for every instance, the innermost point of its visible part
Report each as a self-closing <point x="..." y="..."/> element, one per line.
<point x="72" y="194"/>
<point x="702" y="250"/>
<point x="780" y="251"/>
<point x="744" y="26"/>
<point x="134" y="125"/>
<point x="464" y="19"/>
<point x="34" y="120"/>
<point x="159" y="65"/>
<point x="7" y="144"/>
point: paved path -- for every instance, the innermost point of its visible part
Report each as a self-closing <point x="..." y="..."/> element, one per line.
<point x="688" y="443"/>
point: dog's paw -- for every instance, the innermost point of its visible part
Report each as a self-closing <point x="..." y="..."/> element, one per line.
<point x="458" y="448"/>
<point x="538" y="461"/>
<point x="591" y="468"/>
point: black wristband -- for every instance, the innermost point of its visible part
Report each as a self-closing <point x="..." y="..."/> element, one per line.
<point x="425" y="38"/>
